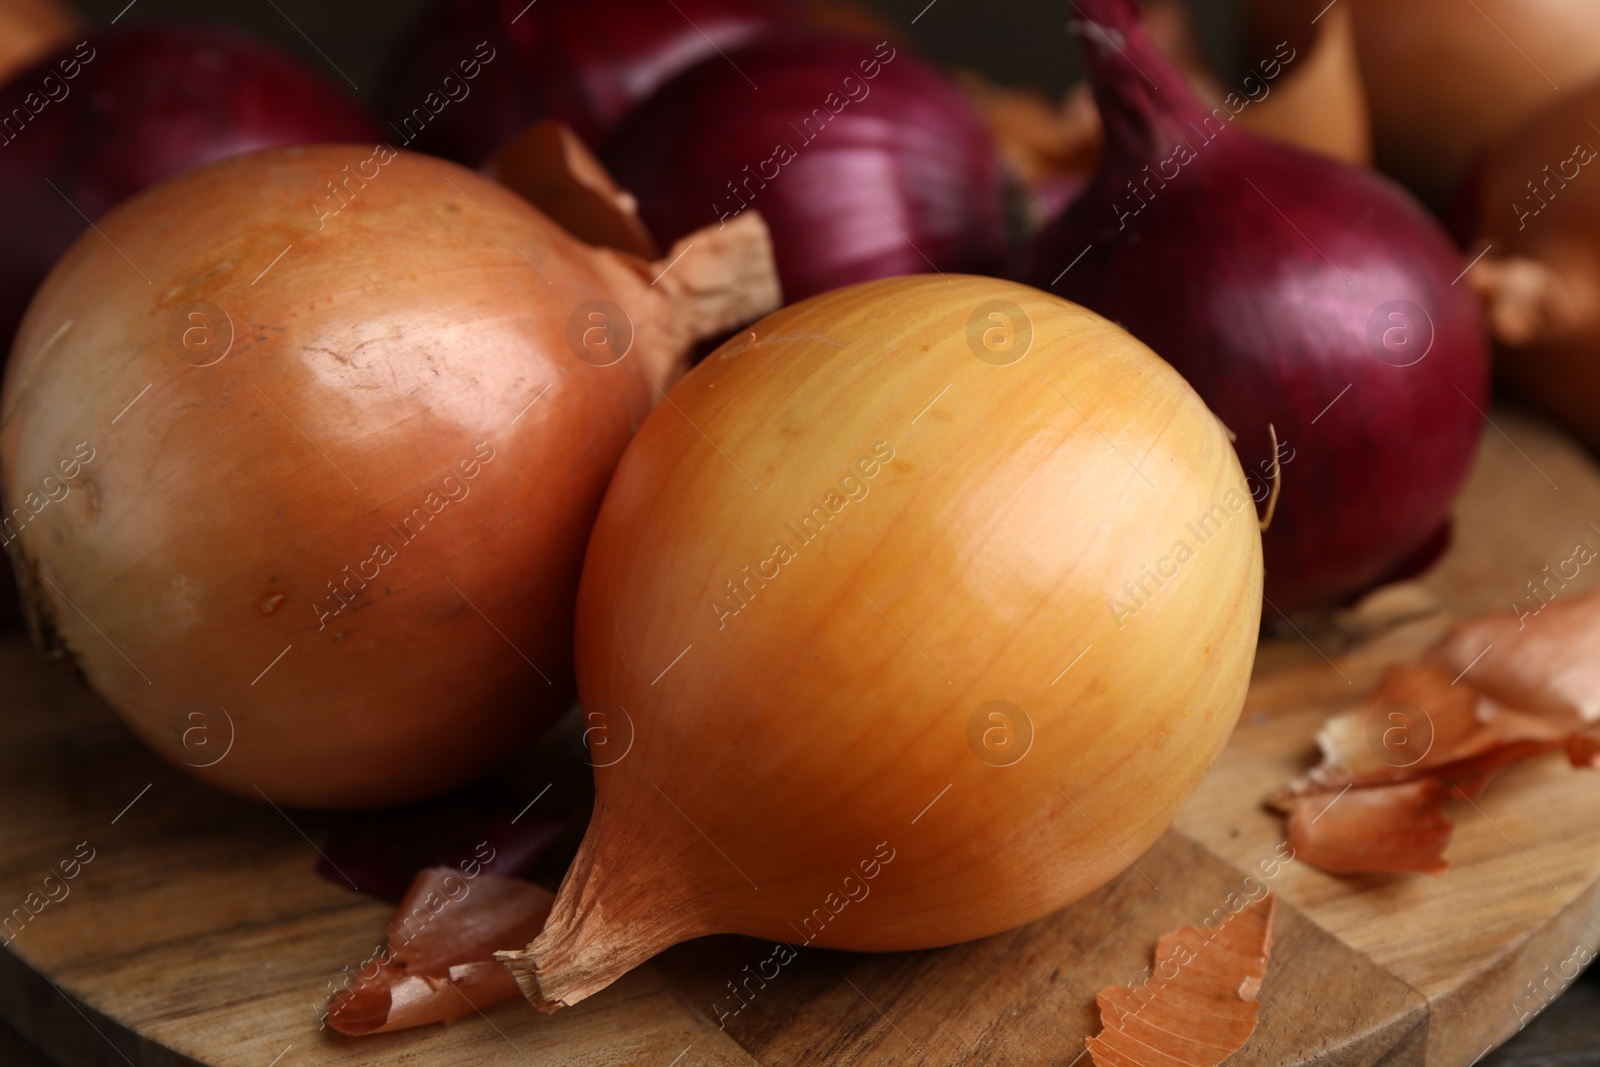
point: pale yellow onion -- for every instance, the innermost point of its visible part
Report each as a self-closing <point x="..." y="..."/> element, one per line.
<point x="1446" y="78"/>
<point x="270" y="390"/>
<point x="778" y="755"/>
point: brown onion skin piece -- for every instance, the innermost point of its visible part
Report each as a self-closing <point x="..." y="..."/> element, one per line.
<point x="1384" y="829"/>
<point x="805" y="736"/>
<point x="406" y="331"/>
<point x="438" y="965"/>
<point x="1552" y="357"/>
<point x="1442" y="80"/>
<point x="1259" y="272"/>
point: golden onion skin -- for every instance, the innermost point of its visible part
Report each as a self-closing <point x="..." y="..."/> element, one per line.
<point x="1445" y="80"/>
<point x="780" y="752"/>
<point x="30" y="28"/>
<point x="1535" y="202"/>
<point x="373" y="357"/>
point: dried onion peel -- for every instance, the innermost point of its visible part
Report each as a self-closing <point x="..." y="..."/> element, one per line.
<point x="438" y="963"/>
<point x="1198" y="1006"/>
<point x="1497" y="690"/>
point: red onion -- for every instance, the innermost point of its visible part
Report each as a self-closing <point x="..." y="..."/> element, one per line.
<point x="129" y="108"/>
<point x="470" y="74"/>
<point x="380" y="852"/>
<point x="865" y="161"/>
<point x="1294" y="293"/>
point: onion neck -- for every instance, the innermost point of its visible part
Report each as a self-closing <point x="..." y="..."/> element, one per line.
<point x="1529" y="302"/>
<point x="608" y="918"/>
<point x="1145" y="103"/>
<point x="714" y="281"/>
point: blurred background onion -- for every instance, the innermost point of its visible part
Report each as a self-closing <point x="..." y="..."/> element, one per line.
<point x="585" y="62"/>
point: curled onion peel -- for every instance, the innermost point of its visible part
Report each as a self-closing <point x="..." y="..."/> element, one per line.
<point x="1299" y="296"/>
<point x="344" y="461"/>
<point x="983" y="468"/>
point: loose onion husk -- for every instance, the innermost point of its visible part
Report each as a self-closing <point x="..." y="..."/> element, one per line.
<point x="866" y="161"/>
<point x="984" y="519"/>
<point x="438" y="964"/>
<point x="1197" y="1005"/>
<point x="471" y="74"/>
<point x="280" y="416"/>
<point x="1497" y="690"/>
<point x="1533" y="207"/>
<point x="1445" y="79"/>
<point x="1276" y="282"/>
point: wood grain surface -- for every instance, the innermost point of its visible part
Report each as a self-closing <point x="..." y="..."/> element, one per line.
<point x="198" y="933"/>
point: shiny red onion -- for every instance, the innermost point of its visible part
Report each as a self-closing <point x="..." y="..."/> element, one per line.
<point x="865" y="161"/>
<point x="131" y="107"/>
<point x="1289" y="290"/>
<point x="470" y="74"/>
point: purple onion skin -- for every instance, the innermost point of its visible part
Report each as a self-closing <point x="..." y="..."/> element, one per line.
<point x="905" y="181"/>
<point x="586" y="62"/>
<point x="151" y="102"/>
<point x="380" y="852"/>
<point x="1261" y="273"/>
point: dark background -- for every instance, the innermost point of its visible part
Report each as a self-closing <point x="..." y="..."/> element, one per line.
<point x="1016" y="42"/>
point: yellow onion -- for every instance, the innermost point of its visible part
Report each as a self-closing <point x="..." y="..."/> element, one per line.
<point x="1446" y="78"/>
<point x="1306" y="92"/>
<point x="29" y="29"/>
<point x="301" y="449"/>
<point x="925" y="604"/>
<point x="1322" y="105"/>
<point x="1533" y="209"/>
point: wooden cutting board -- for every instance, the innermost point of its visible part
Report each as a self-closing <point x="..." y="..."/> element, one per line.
<point x="198" y="932"/>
